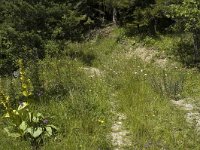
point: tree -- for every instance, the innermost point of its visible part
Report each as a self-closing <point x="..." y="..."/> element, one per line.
<point x="26" y="25"/>
<point x="116" y="6"/>
<point x="151" y="14"/>
<point x="187" y="16"/>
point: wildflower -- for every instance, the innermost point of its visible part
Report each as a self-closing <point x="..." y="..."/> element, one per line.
<point x="15" y="112"/>
<point x="7" y="98"/>
<point x="21" y="72"/>
<point x="21" y="103"/>
<point x="101" y="121"/>
<point x="22" y="78"/>
<point x="45" y="121"/>
<point x="25" y="93"/>
<point x="145" y="74"/>
<point x="7" y="115"/>
<point x="135" y="73"/>
<point x="24" y="86"/>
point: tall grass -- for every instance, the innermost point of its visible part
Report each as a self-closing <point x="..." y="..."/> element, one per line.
<point x="80" y="103"/>
<point x="169" y="84"/>
<point x="153" y="121"/>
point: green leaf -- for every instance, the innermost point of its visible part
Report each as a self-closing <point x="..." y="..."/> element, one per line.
<point x="39" y="115"/>
<point x="23" y="126"/>
<point x="35" y="119"/>
<point x="30" y="116"/>
<point x="7" y="115"/>
<point x="49" y="131"/>
<point x="30" y="130"/>
<point x="52" y="126"/>
<point x="37" y="132"/>
<point x="14" y="135"/>
<point x="24" y="105"/>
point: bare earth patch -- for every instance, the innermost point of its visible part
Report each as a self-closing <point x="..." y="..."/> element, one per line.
<point x="148" y="55"/>
<point x="145" y="54"/>
<point x="92" y="72"/>
<point x="119" y="135"/>
<point x="192" y="116"/>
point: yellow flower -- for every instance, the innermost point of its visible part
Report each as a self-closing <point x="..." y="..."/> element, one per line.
<point x="20" y="61"/>
<point x="7" y="98"/>
<point x="22" y="78"/>
<point x="7" y="115"/>
<point x="25" y="93"/>
<point x="101" y="121"/>
<point x="15" y="112"/>
<point x="24" y="86"/>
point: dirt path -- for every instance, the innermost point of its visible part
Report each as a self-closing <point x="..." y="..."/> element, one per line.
<point x="192" y="114"/>
<point x="120" y="136"/>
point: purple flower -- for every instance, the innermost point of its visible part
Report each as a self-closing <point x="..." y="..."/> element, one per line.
<point x="39" y="93"/>
<point x="45" y="121"/>
<point x="21" y="103"/>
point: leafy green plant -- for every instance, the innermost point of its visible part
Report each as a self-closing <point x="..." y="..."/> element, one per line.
<point x="23" y="123"/>
<point x="187" y="16"/>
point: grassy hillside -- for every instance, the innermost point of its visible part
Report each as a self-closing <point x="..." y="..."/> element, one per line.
<point x="82" y="85"/>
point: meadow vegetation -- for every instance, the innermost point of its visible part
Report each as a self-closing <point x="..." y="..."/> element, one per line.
<point x="65" y="66"/>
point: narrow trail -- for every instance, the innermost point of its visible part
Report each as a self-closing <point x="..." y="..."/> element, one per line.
<point x="192" y="113"/>
<point x="120" y="136"/>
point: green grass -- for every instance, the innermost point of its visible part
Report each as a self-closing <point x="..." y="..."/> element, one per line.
<point x="153" y="121"/>
<point x="79" y="102"/>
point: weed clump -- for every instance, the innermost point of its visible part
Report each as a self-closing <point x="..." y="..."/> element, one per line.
<point x="168" y="84"/>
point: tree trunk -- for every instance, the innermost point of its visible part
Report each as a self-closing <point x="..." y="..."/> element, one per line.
<point x="138" y="27"/>
<point x="152" y="27"/>
<point x="155" y="25"/>
<point x="114" y="16"/>
<point x="196" y="39"/>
